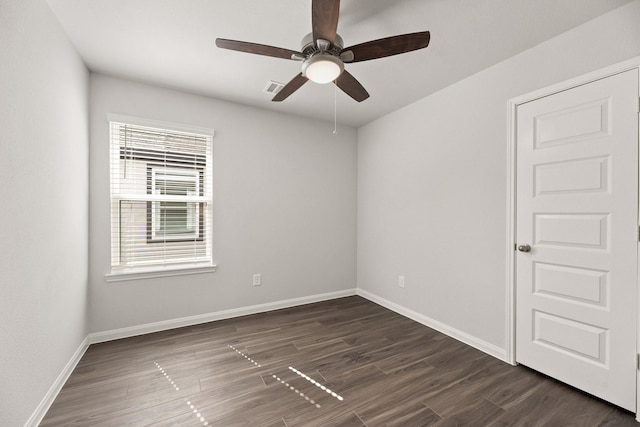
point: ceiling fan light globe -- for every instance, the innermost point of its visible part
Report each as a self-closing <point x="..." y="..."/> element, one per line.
<point x="322" y="68"/>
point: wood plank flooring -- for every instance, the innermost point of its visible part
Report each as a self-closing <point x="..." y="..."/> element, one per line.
<point x="345" y="362"/>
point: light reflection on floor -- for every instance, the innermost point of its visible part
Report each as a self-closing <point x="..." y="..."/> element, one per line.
<point x="316" y="383"/>
<point x="290" y="387"/>
<point x="286" y="384"/>
<point x="191" y="406"/>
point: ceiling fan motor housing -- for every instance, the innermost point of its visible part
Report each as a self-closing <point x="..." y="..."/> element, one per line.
<point x="322" y="63"/>
<point x="308" y="45"/>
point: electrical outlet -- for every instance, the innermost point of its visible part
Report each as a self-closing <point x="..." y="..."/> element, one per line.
<point x="257" y="279"/>
<point x="401" y="281"/>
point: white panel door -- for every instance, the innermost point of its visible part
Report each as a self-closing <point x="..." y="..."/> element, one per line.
<point x="577" y="236"/>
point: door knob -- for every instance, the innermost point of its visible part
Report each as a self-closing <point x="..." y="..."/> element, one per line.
<point x="524" y="248"/>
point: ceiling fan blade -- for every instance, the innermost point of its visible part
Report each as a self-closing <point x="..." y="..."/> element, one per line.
<point x="351" y="86"/>
<point x="258" y="49"/>
<point x="324" y="19"/>
<point x="387" y="46"/>
<point x="295" y="84"/>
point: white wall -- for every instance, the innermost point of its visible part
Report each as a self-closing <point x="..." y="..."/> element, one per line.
<point x="432" y="182"/>
<point x="44" y="215"/>
<point x="284" y="206"/>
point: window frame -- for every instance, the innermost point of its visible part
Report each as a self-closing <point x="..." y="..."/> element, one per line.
<point x="203" y="178"/>
<point x="153" y="208"/>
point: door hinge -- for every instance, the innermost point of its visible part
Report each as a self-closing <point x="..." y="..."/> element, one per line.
<point x="638" y="361"/>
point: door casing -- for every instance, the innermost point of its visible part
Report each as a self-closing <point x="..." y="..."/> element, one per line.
<point x="510" y="321"/>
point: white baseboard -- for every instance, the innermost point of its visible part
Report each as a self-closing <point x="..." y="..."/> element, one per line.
<point x="457" y="334"/>
<point x="164" y="325"/>
<point x="47" y="401"/>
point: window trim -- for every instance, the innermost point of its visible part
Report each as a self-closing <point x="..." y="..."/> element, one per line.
<point x="205" y="168"/>
<point x="140" y="121"/>
<point x="152" y="273"/>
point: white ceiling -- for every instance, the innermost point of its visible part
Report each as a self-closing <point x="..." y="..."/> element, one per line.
<point x="172" y="43"/>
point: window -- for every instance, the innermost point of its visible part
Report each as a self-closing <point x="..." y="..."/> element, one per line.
<point x="161" y="196"/>
<point x="175" y="220"/>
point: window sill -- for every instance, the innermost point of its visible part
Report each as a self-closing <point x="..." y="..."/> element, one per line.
<point x="128" y="275"/>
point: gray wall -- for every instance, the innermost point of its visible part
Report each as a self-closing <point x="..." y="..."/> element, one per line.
<point x="432" y="179"/>
<point x="44" y="215"/>
<point x="284" y="206"/>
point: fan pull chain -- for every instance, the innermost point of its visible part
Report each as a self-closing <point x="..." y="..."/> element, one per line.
<point x="335" y="108"/>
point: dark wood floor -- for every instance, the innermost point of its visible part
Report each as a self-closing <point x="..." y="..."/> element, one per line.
<point x="346" y="362"/>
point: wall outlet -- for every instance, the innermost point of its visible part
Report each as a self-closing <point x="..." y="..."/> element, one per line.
<point x="257" y="279"/>
<point x="401" y="281"/>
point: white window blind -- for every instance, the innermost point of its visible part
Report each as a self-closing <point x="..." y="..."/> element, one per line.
<point x="160" y="198"/>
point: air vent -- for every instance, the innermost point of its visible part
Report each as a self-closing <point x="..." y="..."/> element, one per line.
<point x="273" y="87"/>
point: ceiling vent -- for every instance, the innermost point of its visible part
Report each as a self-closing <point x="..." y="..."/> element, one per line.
<point x="273" y="87"/>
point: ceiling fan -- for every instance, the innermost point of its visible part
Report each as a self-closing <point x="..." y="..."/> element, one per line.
<point x="323" y="54"/>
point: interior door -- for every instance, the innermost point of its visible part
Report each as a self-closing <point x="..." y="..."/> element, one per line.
<point x="577" y="236"/>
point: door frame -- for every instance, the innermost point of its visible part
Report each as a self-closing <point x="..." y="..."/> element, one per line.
<point x="512" y="105"/>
